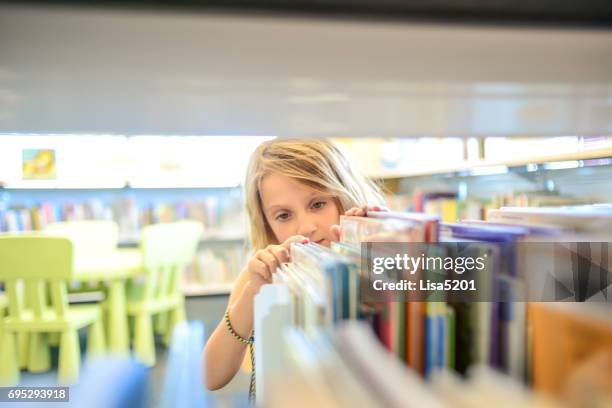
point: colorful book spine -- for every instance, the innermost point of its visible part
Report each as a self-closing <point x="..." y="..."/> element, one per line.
<point x="450" y="337"/>
<point x="442" y="335"/>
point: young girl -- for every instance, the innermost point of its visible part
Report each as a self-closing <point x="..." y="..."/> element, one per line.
<point x="296" y="191"/>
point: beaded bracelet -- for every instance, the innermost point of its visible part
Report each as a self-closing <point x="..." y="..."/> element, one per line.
<point x="250" y="341"/>
<point x="238" y="337"/>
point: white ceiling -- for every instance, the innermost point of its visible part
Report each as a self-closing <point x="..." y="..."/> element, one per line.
<point x="102" y="71"/>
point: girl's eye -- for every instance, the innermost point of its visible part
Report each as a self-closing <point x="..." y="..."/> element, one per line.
<point x="282" y="217"/>
<point x="319" y="204"/>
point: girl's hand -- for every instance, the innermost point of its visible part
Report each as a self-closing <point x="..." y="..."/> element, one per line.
<point x="362" y="211"/>
<point x="263" y="264"/>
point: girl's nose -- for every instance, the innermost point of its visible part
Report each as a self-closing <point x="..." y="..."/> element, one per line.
<point x="306" y="228"/>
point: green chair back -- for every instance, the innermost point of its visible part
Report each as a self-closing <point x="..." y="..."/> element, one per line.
<point x="89" y="238"/>
<point x="28" y="263"/>
<point x="166" y="250"/>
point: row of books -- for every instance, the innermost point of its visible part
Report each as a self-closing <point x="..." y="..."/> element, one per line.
<point x="461" y="335"/>
<point x="346" y="367"/>
<point x="445" y="204"/>
<point x="321" y="288"/>
<point x="211" y="212"/>
<point x="37" y="217"/>
<point x="425" y="335"/>
<point x="130" y="216"/>
<point x="533" y="199"/>
<point x="450" y="208"/>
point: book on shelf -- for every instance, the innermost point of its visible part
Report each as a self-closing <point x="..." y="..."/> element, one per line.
<point x="566" y="336"/>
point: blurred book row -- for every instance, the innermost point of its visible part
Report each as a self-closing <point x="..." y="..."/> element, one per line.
<point x="450" y="207"/>
<point x="225" y="214"/>
<point x="535" y="353"/>
<point x="216" y="215"/>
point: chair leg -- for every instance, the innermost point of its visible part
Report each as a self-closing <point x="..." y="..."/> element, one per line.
<point x="144" y="343"/>
<point x="131" y="329"/>
<point x="22" y="348"/>
<point x="9" y="361"/>
<point x="69" y="357"/>
<point x="161" y="323"/>
<point x="39" y="359"/>
<point x="177" y="315"/>
<point x="95" y="340"/>
<point x="54" y="339"/>
<point x="117" y="335"/>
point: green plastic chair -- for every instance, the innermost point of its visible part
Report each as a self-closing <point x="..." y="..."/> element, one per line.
<point x="3" y="306"/>
<point x="166" y="250"/>
<point x="31" y="266"/>
<point x="92" y="240"/>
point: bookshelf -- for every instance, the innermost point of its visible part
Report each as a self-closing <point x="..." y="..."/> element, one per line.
<point x="468" y="190"/>
<point x="221" y="247"/>
<point x="215" y="242"/>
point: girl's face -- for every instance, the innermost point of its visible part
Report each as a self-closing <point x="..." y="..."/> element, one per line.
<point x="293" y="208"/>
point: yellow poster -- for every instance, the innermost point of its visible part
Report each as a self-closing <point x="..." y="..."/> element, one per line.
<point x="38" y="164"/>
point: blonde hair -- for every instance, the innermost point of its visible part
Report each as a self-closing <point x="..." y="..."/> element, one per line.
<point x="318" y="164"/>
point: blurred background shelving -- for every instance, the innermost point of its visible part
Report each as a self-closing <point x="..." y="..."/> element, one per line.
<point x="134" y="181"/>
<point x="470" y="176"/>
<point x="467" y="177"/>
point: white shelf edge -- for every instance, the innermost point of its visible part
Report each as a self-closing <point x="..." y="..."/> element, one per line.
<point x="86" y="297"/>
<point x="134" y="240"/>
<point x="471" y="165"/>
<point x="192" y="289"/>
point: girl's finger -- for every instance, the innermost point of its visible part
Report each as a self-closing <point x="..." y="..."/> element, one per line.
<point x="296" y="238"/>
<point x="378" y="208"/>
<point x="351" y="212"/>
<point x="280" y="253"/>
<point x="363" y="210"/>
<point x="270" y="260"/>
<point x="261" y="269"/>
<point x="336" y="232"/>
